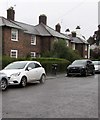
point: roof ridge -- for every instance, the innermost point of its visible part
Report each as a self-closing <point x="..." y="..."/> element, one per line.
<point x="81" y="40"/>
<point x="28" y="25"/>
<point x="53" y="30"/>
<point x="17" y="24"/>
<point x="45" y="28"/>
<point x="25" y="23"/>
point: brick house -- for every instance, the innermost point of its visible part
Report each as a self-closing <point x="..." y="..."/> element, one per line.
<point x="22" y="40"/>
<point x="79" y="43"/>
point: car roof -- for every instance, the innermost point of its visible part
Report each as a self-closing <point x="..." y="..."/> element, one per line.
<point x="83" y="60"/>
<point x="27" y="62"/>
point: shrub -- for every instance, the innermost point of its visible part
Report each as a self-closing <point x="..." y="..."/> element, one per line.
<point x="46" y="62"/>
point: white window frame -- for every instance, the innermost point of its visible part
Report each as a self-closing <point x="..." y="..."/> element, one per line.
<point x="15" y="32"/>
<point x="85" y="56"/>
<point x="33" y="40"/>
<point x="86" y="48"/>
<point x="33" y="54"/>
<point x="73" y="46"/>
<point x="16" y="53"/>
<point x="67" y="42"/>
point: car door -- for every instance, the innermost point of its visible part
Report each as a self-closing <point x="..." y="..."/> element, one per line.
<point x="31" y="72"/>
<point x="38" y="71"/>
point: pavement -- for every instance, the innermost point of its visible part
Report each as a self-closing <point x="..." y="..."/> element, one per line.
<point x="58" y="75"/>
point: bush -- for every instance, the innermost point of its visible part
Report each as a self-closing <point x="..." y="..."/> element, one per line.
<point x="46" y="63"/>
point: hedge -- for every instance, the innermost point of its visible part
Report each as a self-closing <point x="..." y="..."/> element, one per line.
<point x="46" y="63"/>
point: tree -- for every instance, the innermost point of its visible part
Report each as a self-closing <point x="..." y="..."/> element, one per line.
<point x="60" y="50"/>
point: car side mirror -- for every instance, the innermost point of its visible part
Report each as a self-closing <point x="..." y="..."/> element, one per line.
<point x="87" y="64"/>
<point x="29" y="68"/>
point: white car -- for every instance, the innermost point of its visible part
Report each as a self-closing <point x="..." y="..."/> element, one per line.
<point x="21" y="72"/>
<point x="97" y="66"/>
<point x="3" y="81"/>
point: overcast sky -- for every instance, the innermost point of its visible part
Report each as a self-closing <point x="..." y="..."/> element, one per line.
<point x="69" y="13"/>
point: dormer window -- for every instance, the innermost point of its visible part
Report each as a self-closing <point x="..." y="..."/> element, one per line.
<point x="33" y="40"/>
<point x="14" y="34"/>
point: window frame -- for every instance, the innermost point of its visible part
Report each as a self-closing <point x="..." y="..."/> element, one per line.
<point x="33" y="40"/>
<point x="16" y="54"/>
<point x="34" y="55"/>
<point x="86" y="48"/>
<point x="74" y="46"/>
<point x="14" y="31"/>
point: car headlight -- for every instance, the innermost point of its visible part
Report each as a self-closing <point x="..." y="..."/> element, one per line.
<point x="16" y="74"/>
<point x="83" y="67"/>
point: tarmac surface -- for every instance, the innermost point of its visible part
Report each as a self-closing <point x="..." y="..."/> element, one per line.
<point x="58" y="97"/>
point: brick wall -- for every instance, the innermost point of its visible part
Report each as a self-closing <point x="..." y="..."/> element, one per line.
<point x="23" y="45"/>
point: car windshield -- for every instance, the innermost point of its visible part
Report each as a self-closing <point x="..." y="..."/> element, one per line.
<point x="96" y="62"/>
<point x="79" y="62"/>
<point x="16" y="65"/>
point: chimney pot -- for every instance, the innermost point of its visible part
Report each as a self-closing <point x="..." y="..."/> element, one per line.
<point x="67" y="30"/>
<point x="78" y="27"/>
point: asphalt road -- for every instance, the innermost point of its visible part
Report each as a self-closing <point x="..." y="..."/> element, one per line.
<point x="59" y="97"/>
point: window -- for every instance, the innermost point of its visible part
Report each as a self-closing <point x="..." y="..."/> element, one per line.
<point x="14" y="53"/>
<point x="73" y="46"/>
<point x="32" y="65"/>
<point x="67" y="43"/>
<point x="85" y="56"/>
<point x="33" y="54"/>
<point x="37" y="65"/>
<point x="14" y="35"/>
<point x="85" y="47"/>
<point x="33" y="40"/>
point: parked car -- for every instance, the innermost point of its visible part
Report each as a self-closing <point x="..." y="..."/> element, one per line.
<point x="21" y="72"/>
<point x="97" y="66"/>
<point x="81" y="67"/>
<point x="3" y="81"/>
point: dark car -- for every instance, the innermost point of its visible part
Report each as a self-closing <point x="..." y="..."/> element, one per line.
<point x="81" y="67"/>
<point x="3" y="81"/>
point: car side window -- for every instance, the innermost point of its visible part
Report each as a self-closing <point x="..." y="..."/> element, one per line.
<point x="37" y="65"/>
<point x="32" y="65"/>
<point x="89" y="62"/>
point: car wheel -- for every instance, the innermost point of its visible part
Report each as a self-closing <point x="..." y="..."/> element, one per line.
<point x="3" y="84"/>
<point x="93" y="72"/>
<point x="68" y="75"/>
<point x="42" y="79"/>
<point x="23" y="82"/>
<point x="85" y="74"/>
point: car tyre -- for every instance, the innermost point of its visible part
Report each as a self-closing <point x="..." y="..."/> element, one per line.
<point x="23" y="82"/>
<point x="42" y="79"/>
<point x="3" y="84"/>
<point x="85" y="74"/>
<point x="68" y="75"/>
<point x="93" y="72"/>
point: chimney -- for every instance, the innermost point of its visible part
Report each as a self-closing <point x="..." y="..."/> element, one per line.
<point x="43" y="19"/>
<point x="68" y="31"/>
<point x="58" y="27"/>
<point x="78" y="30"/>
<point x="73" y="34"/>
<point x="11" y="14"/>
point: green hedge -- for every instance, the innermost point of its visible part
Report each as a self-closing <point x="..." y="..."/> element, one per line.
<point x="46" y="63"/>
